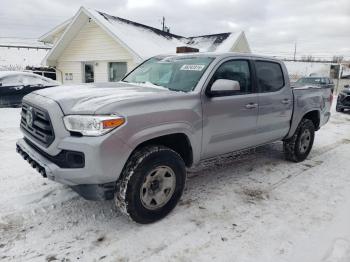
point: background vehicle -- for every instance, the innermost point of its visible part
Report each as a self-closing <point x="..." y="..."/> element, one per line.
<point x="316" y="81"/>
<point x="133" y="140"/>
<point x="343" y="101"/>
<point x="15" y="84"/>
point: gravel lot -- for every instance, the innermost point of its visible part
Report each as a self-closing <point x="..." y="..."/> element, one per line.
<point x="252" y="207"/>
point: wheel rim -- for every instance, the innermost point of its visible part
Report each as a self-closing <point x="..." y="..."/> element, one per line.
<point x="305" y="140"/>
<point x="158" y="187"/>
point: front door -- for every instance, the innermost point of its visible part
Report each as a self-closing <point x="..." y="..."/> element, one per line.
<point x="229" y="121"/>
<point x="88" y="73"/>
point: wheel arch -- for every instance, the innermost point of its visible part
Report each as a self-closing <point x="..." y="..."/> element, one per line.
<point x="179" y="142"/>
<point x="313" y="114"/>
<point x="315" y="117"/>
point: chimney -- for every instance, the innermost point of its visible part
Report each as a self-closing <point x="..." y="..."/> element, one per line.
<point x="186" y="49"/>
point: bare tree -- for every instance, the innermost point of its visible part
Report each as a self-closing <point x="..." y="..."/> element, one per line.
<point x="308" y="58"/>
<point x="337" y="59"/>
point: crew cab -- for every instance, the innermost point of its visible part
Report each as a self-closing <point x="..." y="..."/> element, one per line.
<point x="132" y="141"/>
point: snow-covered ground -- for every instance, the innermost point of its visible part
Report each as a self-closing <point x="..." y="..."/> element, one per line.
<point x="254" y="207"/>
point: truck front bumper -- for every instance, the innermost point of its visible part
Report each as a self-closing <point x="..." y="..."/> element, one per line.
<point x="103" y="161"/>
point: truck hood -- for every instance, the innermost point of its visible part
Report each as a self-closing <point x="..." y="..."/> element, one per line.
<point x="88" y="98"/>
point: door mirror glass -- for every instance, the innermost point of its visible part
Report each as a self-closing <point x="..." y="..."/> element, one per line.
<point x="224" y="87"/>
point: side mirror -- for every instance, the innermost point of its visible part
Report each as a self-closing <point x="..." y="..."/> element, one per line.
<point x="346" y="86"/>
<point x="223" y="87"/>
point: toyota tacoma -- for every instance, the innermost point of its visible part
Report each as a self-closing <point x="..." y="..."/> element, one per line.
<point x="132" y="141"/>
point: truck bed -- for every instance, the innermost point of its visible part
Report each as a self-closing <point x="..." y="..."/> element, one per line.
<point x="310" y="98"/>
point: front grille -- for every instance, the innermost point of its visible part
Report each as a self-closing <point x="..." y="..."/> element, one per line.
<point x="36" y="123"/>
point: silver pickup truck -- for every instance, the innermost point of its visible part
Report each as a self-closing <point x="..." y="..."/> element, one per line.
<point x="131" y="141"/>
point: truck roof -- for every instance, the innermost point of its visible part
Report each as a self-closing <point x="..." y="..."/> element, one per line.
<point x="219" y="55"/>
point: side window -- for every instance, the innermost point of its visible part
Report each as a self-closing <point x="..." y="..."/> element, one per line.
<point x="237" y="70"/>
<point x="269" y="76"/>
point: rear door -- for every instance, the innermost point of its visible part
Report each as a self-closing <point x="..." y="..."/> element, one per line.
<point x="229" y="120"/>
<point x="275" y="101"/>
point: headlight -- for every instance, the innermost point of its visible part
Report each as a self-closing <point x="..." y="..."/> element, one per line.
<point x="92" y="125"/>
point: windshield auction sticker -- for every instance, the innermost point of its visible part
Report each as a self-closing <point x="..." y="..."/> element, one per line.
<point x="192" y="67"/>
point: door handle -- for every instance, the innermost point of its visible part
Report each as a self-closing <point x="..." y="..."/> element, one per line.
<point x="285" y="101"/>
<point x="251" y="105"/>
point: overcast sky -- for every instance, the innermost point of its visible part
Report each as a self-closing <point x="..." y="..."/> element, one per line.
<point x="319" y="27"/>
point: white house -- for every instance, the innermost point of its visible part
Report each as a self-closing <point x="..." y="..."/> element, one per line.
<point x="97" y="47"/>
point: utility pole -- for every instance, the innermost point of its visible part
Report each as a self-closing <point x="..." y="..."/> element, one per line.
<point x="163" y="24"/>
<point x="295" y="49"/>
<point x="340" y="72"/>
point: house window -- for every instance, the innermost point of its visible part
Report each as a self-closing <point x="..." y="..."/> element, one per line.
<point x="68" y="76"/>
<point x="89" y="75"/>
<point x="117" y="71"/>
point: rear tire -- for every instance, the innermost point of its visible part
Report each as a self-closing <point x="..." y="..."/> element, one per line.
<point x="298" y="147"/>
<point x="151" y="184"/>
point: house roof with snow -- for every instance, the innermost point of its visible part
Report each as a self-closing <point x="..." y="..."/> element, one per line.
<point x="17" y="53"/>
<point x="140" y="40"/>
<point x="23" y="43"/>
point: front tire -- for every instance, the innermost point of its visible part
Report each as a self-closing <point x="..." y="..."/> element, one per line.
<point x="298" y="147"/>
<point x="151" y="184"/>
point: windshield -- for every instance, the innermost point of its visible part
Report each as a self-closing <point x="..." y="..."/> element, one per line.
<point x="314" y="81"/>
<point x="174" y="73"/>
